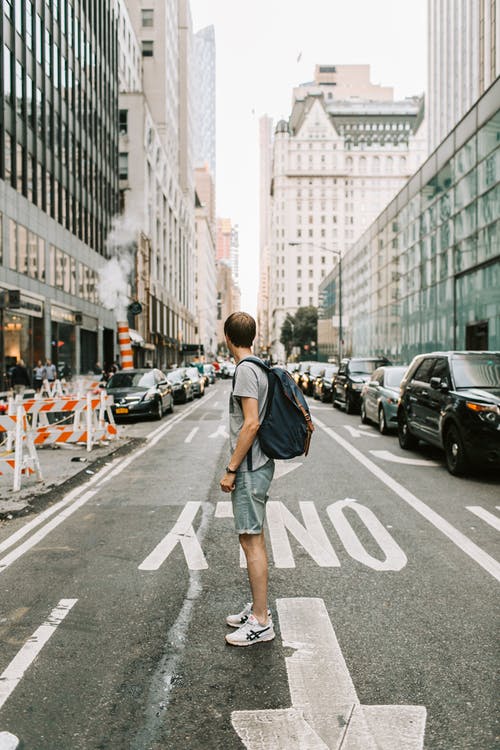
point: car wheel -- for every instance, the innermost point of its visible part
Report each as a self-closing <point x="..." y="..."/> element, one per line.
<point x="158" y="412"/>
<point x="407" y="441"/>
<point x="170" y="409"/>
<point x="456" y="457"/>
<point x="349" y="406"/>
<point x="382" y="424"/>
<point x="364" y="418"/>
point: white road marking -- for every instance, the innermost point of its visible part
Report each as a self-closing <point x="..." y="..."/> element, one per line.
<point x="224" y="509"/>
<point x="395" y="558"/>
<point x="182" y="533"/>
<point x="104" y="475"/>
<point x="282" y="468"/>
<point x="191" y="434"/>
<point x="8" y="741"/>
<point x="220" y="432"/>
<point x="357" y="433"/>
<point x="216" y="404"/>
<point x="13" y="674"/>
<point x="393" y="458"/>
<point x="312" y="536"/>
<point x="471" y="549"/>
<point x="326" y="712"/>
<point x="485" y="515"/>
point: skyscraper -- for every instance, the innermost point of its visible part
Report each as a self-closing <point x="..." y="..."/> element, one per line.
<point x="463" y="60"/>
<point x="204" y="62"/>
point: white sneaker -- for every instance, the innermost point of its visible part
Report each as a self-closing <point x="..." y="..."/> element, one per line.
<point x="236" y="621"/>
<point x="251" y="632"/>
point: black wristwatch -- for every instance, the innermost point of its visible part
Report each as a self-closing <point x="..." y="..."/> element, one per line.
<point x="230" y="471"/>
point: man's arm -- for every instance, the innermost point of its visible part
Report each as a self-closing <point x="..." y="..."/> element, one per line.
<point x="248" y="433"/>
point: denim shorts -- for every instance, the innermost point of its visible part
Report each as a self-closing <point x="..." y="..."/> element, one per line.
<point x="249" y="498"/>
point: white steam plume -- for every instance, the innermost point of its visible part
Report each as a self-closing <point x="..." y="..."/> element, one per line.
<point x="115" y="276"/>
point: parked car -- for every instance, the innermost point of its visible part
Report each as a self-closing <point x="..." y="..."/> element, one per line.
<point x="323" y="383"/>
<point x="352" y="374"/>
<point x="197" y="380"/>
<point x="227" y="370"/>
<point x="310" y="375"/>
<point x="182" y="387"/>
<point x="452" y="400"/>
<point x="140" y="392"/>
<point x="380" y="397"/>
<point x="209" y="371"/>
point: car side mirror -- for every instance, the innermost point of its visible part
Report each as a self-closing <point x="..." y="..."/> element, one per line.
<point x="439" y="384"/>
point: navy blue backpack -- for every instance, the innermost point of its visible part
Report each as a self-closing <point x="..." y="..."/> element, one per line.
<point x="286" y="429"/>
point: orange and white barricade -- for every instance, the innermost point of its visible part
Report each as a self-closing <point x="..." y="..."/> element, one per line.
<point x="83" y="419"/>
<point x="23" y="460"/>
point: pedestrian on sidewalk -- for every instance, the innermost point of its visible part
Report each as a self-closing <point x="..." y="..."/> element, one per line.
<point x="19" y="378"/>
<point x="39" y="375"/>
<point x="51" y="371"/>
<point x="248" y="477"/>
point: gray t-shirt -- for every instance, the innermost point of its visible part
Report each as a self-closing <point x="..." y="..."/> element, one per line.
<point x="251" y="382"/>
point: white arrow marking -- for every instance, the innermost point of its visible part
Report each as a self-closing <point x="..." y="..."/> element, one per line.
<point x="355" y="433"/>
<point x="8" y="741"/>
<point x="326" y="713"/>
<point x="10" y="678"/>
<point x="485" y="515"/>
<point x="183" y="534"/>
<point x="388" y="456"/>
<point x="220" y="432"/>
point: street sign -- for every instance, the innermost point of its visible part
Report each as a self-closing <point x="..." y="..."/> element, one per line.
<point x="135" y="308"/>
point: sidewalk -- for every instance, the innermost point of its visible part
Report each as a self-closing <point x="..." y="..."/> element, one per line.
<point x="61" y="472"/>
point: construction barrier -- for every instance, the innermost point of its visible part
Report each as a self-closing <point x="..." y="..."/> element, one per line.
<point x="87" y="419"/>
<point x="23" y="460"/>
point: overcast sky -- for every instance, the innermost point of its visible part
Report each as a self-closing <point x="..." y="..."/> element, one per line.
<point x="264" y="48"/>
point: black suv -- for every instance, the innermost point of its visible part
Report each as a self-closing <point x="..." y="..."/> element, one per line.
<point x="350" y="378"/>
<point x="452" y="400"/>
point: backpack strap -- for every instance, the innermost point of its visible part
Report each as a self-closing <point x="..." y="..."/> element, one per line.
<point x="270" y="390"/>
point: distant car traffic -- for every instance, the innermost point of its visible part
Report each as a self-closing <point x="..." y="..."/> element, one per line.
<point x="182" y="387"/>
<point x="309" y="376"/>
<point x="300" y="370"/>
<point x="140" y="392"/>
<point x="452" y="400"/>
<point x="322" y="388"/>
<point x="227" y="370"/>
<point x="352" y="374"/>
<point x="380" y="397"/>
<point x="197" y="380"/>
<point x="209" y="371"/>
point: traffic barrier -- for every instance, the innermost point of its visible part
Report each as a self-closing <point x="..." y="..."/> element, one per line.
<point x="86" y="419"/>
<point x="125" y="345"/>
<point x="25" y="460"/>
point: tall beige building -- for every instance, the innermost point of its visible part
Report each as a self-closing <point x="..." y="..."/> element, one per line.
<point x="345" y="151"/>
<point x="463" y="60"/>
<point x="206" y="274"/>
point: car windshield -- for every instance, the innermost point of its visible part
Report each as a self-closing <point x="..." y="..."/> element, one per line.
<point x="132" y="380"/>
<point x="174" y="377"/>
<point x="394" y="376"/>
<point x="316" y="370"/>
<point x="477" y="371"/>
<point x="330" y="371"/>
<point x="192" y="373"/>
<point x="366" y="366"/>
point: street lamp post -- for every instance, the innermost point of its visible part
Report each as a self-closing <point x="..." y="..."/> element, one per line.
<point x="339" y="255"/>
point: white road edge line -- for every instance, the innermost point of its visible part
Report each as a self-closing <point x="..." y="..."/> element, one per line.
<point x="109" y="473"/>
<point x="471" y="549"/>
<point x="485" y="515"/>
<point x="11" y="677"/>
<point x="191" y="434"/>
<point x="8" y="741"/>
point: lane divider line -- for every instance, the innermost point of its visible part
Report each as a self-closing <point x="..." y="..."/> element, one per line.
<point x="10" y="678"/>
<point x="191" y="434"/>
<point x="102" y="478"/>
<point x="485" y="515"/>
<point x="488" y="563"/>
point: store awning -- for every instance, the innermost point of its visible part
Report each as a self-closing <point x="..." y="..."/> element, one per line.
<point x="135" y="337"/>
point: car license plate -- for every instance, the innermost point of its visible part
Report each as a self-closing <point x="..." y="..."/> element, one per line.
<point x="121" y="410"/>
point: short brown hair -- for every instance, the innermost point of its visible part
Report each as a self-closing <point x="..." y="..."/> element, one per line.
<point x="240" y="329"/>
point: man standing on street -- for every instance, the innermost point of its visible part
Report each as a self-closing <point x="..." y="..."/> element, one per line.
<point x="248" y="477"/>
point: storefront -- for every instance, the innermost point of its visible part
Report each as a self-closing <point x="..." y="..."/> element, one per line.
<point x="63" y="339"/>
<point x="23" y="335"/>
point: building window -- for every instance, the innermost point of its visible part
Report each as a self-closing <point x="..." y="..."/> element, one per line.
<point x="147" y="15"/>
<point x="123" y="121"/>
<point x="147" y="48"/>
<point x="123" y="166"/>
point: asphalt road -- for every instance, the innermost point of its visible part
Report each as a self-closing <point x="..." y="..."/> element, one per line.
<point x="383" y="591"/>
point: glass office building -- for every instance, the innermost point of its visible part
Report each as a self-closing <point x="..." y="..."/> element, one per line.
<point x="426" y="274"/>
<point x="58" y="176"/>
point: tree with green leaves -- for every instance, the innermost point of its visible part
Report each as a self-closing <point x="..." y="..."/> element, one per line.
<point x="300" y="329"/>
<point x="287" y="334"/>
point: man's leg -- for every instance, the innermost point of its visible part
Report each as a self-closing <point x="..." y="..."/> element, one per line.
<point x="254" y="547"/>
